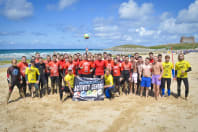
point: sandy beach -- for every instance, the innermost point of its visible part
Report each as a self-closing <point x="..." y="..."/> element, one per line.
<point x="125" y="113"/>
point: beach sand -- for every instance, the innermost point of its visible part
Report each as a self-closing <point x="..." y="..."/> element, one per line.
<point x="125" y="113"/>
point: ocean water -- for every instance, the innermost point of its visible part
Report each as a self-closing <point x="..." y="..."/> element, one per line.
<point x="18" y="53"/>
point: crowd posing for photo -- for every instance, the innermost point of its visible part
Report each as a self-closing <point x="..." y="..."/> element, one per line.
<point x="122" y="74"/>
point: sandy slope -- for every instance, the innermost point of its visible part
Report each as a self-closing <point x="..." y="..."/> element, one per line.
<point x="126" y="113"/>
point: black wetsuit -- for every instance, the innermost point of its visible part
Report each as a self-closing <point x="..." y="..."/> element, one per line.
<point x="13" y="77"/>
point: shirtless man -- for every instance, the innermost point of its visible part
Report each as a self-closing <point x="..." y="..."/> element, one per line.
<point x="157" y="72"/>
<point x="134" y="77"/>
<point x="139" y="68"/>
<point x="146" y="78"/>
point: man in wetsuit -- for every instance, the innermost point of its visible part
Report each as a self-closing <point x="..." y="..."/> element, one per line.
<point x="85" y="67"/>
<point x="182" y="67"/>
<point x="22" y="66"/>
<point x="99" y="67"/>
<point x="54" y="74"/>
<point x="116" y="72"/>
<point x="14" y="79"/>
<point x="61" y="64"/>
<point x="47" y="72"/>
<point x="126" y="69"/>
<point x="42" y="82"/>
<point x="166" y="77"/>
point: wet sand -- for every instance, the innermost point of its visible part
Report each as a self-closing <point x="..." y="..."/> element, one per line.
<point x="125" y="113"/>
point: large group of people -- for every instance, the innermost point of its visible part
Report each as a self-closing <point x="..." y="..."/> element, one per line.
<point x="122" y="74"/>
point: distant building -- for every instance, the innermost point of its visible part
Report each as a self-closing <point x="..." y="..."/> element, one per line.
<point x="187" y="39"/>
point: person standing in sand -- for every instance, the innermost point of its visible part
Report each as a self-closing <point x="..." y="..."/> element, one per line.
<point x="166" y="77"/>
<point x="14" y="78"/>
<point x="160" y="61"/>
<point x="146" y="76"/>
<point x="157" y="72"/>
<point x="182" y="68"/>
<point x="22" y="66"/>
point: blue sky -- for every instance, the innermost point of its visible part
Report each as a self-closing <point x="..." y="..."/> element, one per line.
<point x="62" y="23"/>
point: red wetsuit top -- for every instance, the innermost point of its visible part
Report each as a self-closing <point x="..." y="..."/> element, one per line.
<point x="61" y="64"/>
<point x="109" y="64"/>
<point x="116" y="68"/>
<point x="72" y="65"/>
<point x="86" y="67"/>
<point x="54" y="68"/>
<point x="151" y="61"/>
<point x="99" y="66"/>
<point x="47" y="66"/>
<point x="79" y="71"/>
<point x="126" y="67"/>
<point x="36" y="60"/>
<point x="22" y="66"/>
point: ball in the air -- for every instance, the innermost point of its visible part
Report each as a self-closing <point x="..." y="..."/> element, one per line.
<point x="86" y="36"/>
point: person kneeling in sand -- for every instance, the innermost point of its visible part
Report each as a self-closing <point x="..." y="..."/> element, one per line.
<point x="157" y="72"/>
<point x="146" y="78"/>
<point x="69" y="79"/>
<point x="109" y="87"/>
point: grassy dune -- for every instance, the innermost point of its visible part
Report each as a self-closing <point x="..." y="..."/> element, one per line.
<point x="163" y="46"/>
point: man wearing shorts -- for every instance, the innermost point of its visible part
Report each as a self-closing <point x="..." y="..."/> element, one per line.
<point x="32" y="77"/>
<point x="146" y="76"/>
<point x="14" y="78"/>
<point x="134" y="78"/>
<point x="157" y="72"/>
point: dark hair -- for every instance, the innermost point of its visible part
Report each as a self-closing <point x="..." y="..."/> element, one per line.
<point x="110" y="55"/>
<point x="150" y="53"/>
<point x="139" y="56"/>
<point x="54" y="55"/>
<point x="147" y="58"/>
<point x="104" y="52"/>
<point x="167" y="56"/>
<point x="13" y="60"/>
<point x="23" y="57"/>
<point x="159" y="55"/>
<point x="99" y="54"/>
<point x="136" y="53"/>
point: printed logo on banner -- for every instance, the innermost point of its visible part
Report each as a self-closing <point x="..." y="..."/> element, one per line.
<point x="88" y="89"/>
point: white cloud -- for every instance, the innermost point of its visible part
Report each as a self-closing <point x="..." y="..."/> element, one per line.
<point x="17" y="9"/>
<point x="143" y="32"/>
<point x="169" y="25"/>
<point x="105" y="28"/>
<point x="189" y="15"/>
<point x="65" y="3"/>
<point x="61" y="5"/>
<point x="131" y="10"/>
